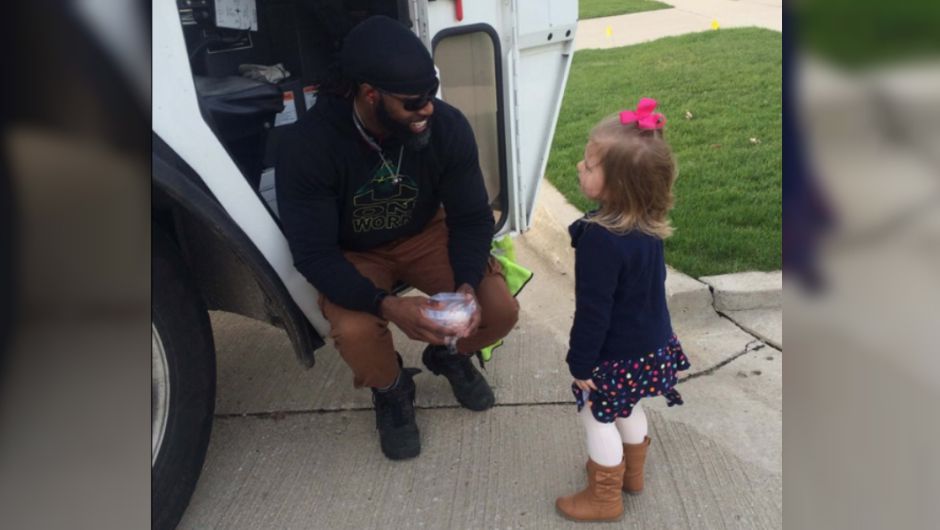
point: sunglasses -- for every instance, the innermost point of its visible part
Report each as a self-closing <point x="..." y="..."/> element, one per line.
<point x="414" y="103"/>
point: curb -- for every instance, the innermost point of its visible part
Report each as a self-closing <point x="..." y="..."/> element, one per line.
<point x="685" y="295"/>
<point x="746" y="290"/>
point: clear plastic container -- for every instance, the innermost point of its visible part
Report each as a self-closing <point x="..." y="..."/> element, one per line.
<point x="453" y="311"/>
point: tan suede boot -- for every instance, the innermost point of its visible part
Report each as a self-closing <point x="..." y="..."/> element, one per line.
<point x="634" y="457"/>
<point x="600" y="501"/>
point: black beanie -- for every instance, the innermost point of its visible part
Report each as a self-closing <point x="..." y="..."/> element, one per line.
<point x="387" y="55"/>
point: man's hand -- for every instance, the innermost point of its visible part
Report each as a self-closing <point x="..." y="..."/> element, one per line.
<point x="474" y="323"/>
<point x="407" y="313"/>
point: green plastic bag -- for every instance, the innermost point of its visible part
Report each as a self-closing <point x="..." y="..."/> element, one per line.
<point x="516" y="276"/>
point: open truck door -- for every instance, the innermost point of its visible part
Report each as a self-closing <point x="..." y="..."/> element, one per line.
<point x="504" y="64"/>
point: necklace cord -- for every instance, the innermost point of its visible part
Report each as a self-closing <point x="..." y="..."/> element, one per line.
<point x="357" y="121"/>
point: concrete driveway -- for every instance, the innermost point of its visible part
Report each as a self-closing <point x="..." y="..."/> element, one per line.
<point x="686" y="16"/>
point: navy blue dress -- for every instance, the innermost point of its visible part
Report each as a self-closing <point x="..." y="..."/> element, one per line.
<point x="622" y="335"/>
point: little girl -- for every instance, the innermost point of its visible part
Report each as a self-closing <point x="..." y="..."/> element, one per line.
<point x="622" y="347"/>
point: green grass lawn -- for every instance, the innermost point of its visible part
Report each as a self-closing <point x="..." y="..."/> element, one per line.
<point x="607" y="8"/>
<point x="728" y="212"/>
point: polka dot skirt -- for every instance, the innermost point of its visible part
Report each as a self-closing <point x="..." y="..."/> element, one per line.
<point x="621" y="384"/>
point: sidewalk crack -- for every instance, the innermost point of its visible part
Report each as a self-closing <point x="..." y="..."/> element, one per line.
<point x="754" y="345"/>
<point x="276" y="415"/>
<point x="745" y="330"/>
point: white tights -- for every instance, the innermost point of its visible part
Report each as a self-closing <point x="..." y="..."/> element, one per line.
<point x="604" y="440"/>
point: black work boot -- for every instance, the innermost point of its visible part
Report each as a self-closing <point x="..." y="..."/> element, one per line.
<point x="468" y="384"/>
<point x="395" y="417"/>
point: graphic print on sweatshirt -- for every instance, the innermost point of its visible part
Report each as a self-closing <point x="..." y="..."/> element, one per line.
<point x="385" y="202"/>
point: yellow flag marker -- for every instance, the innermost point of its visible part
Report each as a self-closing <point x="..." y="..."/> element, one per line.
<point x="715" y="23"/>
<point x="609" y="31"/>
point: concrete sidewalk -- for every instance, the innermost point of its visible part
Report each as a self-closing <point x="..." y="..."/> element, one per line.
<point x="298" y="449"/>
<point x="687" y="16"/>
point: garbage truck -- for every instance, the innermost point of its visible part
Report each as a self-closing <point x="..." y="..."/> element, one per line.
<point x="217" y="244"/>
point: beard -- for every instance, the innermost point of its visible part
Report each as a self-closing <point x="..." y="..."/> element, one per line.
<point x="413" y="141"/>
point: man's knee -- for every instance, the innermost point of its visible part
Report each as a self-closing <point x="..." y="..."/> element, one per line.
<point x="503" y="316"/>
<point x="358" y="326"/>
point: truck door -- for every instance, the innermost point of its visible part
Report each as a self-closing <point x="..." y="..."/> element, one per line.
<point x="504" y="63"/>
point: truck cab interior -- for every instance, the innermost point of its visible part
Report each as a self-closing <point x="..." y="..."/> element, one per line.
<point x="250" y="115"/>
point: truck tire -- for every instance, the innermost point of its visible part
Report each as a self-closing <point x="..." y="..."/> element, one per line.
<point x="182" y="384"/>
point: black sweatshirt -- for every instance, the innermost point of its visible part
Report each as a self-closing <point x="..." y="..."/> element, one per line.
<point x="620" y="297"/>
<point x="334" y="193"/>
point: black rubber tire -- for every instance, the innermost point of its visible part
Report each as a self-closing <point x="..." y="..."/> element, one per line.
<point x="181" y="320"/>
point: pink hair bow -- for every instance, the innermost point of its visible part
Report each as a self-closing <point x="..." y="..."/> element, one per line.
<point x="644" y="116"/>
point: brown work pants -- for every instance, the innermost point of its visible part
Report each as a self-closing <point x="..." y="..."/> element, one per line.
<point x="422" y="261"/>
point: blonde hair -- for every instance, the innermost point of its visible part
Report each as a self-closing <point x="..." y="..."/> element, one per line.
<point x="639" y="171"/>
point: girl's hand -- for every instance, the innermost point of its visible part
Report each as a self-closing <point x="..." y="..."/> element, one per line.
<point x="585" y="384"/>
